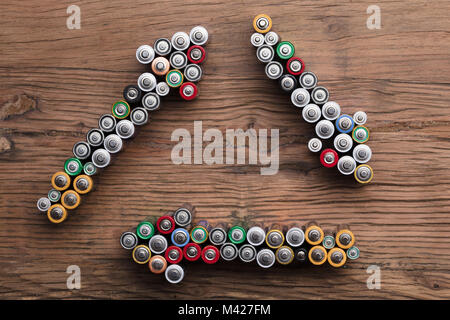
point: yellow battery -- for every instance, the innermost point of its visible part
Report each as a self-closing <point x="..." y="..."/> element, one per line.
<point x="70" y="199"/>
<point x="314" y="228"/>
<point x="279" y="259"/>
<point x="57" y="213"/>
<point x="60" y="181"/>
<point x="145" y="257"/>
<point x="262" y="23"/>
<point x="317" y="251"/>
<point x="345" y="232"/>
<point x="343" y="255"/>
<point x="86" y="188"/>
<point x="279" y="237"/>
<point x="367" y="180"/>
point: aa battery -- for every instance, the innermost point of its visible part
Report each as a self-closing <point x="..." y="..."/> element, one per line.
<point x="195" y="55"/>
<point x="237" y="234"/>
<point x="353" y="253"/>
<point x="101" y="158"/>
<point x="210" y="254"/>
<point x="151" y="101"/>
<point x="43" y="204"/>
<point x="145" y="230"/>
<point x="107" y="123"/>
<point x="271" y="38"/>
<point x="363" y="173"/>
<point x="284" y="255"/>
<point x="257" y="39"/>
<point x="178" y="60"/>
<point x="95" y="137"/>
<point x="329" y="158"/>
<point x="331" y="110"/>
<point x="346" y="165"/>
<point x="247" y="253"/>
<point x="81" y="150"/>
<point x="315" y="145"/>
<point x="265" y="258"/>
<point x="132" y="94"/>
<point x="218" y="236"/>
<point x="121" y="109"/>
<point x="183" y="216"/>
<point x="311" y="113"/>
<point x="317" y="255"/>
<point x="274" y="70"/>
<point x="162" y="89"/>
<point x="89" y="168"/>
<point x="362" y="153"/>
<point x="300" y="97"/>
<point x="60" y="181"/>
<point x="125" y="129"/>
<point x="174" y="254"/>
<point x="83" y="184"/>
<point x="128" y="240"/>
<point x="229" y="251"/>
<point x="70" y="199"/>
<point x="344" y="123"/>
<point x="192" y="251"/>
<point x="285" y="50"/>
<point x="320" y="95"/>
<point x="180" y="41"/>
<point x="360" y="118"/>
<point x="295" y="66"/>
<point x="160" y="66"/>
<point x="139" y="116"/>
<point x="324" y="129"/>
<point x="188" y="91"/>
<point x="301" y="255"/>
<point x="112" y="144"/>
<point x="337" y="257"/>
<point x="262" y="23"/>
<point x="146" y="82"/>
<point x="295" y="237"/>
<point x="162" y="46"/>
<point x="158" y="244"/>
<point x="288" y="82"/>
<point x="165" y="224"/>
<point x="73" y="167"/>
<point x="54" y="196"/>
<point x="141" y="254"/>
<point x="314" y="234"/>
<point x="174" y="273"/>
<point x="265" y="53"/>
<point x="275" y="237"/>
<point x="256" y="236"/>
<point x="145" y="54"/>
<point x="193" y="72"/>
<point x="180" y="237"/>
<point x="199" y="234"/>
<point x="174" y="78"/>
<point x="343" y="143"/>
<point x="157" y="264"/>
<point x="198" y="35"/>
<point x="344" y="237"/>
<point x="360" y="134"/>
<point x="57" y="213"/>
<point x="308" y="80"/>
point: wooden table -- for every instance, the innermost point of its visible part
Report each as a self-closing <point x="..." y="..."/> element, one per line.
<point x="55" y="83"/>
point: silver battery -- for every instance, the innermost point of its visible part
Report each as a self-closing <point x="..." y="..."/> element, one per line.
<point x="182" y="217"/>
<point x="145" y="54"/>
<point x="311" y="113"/>
<point x="257" y="39"/>
<point x="274" y="70"/>
<point x="125" y="129"/>
<point x="265" y="53"/>
<point x="300" y="97"/>
<point x="364" y="173"/>
<point x="193" y="72"/>
<point x="139" y="116"/>
<point x="157" y="244"/>
<point x="81" y="150"/>
<point x="360" y="118"/>
<point x="151" y="101"/>
<point x="362" y="153"/>
<point x="146" y="82"/>
<point x="295" y="237"/>
<point x="308" y="80"/>
<point x="247" y="253"/>
<point x="320" y="95"/>
<point x="315" y="145"/>
<point x="128" y="240"/>
<point x="271" y="38"/>
<point x="162" y="89"/>
<point x="265" y="258"/>
<point x="174" y="273"/>
<point x="288" y="82"/>
<point x="256" y="236"/>
<point x="162" y="46"/>
<point x="346" y="165"/>
<point x="101" y="158"/>
<point x="343" y="143"/>
<point x="217" y="236"/>
<point x="331" y="110"/>
<point x="107" y="123"/>
<point x="113" y="143"/>
<point x="229" y="251"/>
<point x="43" y="204"/>
<point x="178" y="60"/>
<point x="180" y="41"/>
<point x="95" y="137"/>
<point x="199" y="35"/>
<point x="324" y="129"/>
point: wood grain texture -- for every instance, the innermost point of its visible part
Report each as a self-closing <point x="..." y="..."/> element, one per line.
<point x="56" y="82"/>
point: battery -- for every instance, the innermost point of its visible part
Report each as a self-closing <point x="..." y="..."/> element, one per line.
<point x="141" y="254"/>
<point x="314" y="234"/>
<point x="83" y="184"/>
<point x="112" y="143"/>
<point x="162" y="89"/>
<point x="360" y="118"/>
<point x="210" y="254"/>
<point x="257" y="39"/>
<point x="275" y="237"/>
<point x="145" y="54"/>
<point x="262" y="23"/>
<point x="120" y="109"/>
<point x="271" y="38"/>
<point x="128" y="240"/>
<point x="295" y="66"/>
<point x="198" y="35"/>
<point x="89" y="169"/>
<point x="317" y="255"/>
<point x="160" y="66"/>
<point x="331" y="110"/>
<point x="229" y="251"/>
<point x="288" y="82"/>
<point x="101" y="158"/>
<point x="265" y="53"/>
<point x="247" y="253"/>
<point x="199" y="234"/>
<point x="218" y="236"/>
<point x="274" y="70"/>
<point x="95" y="137"/>
<point x="363" y="173"/>
<point x="265" y="258"/>
<point x="174" y="254"/>
<point x="165" y="224"/>
<point x="73" y="167"/>
<point x="353" y="253"/>
<point x="328" y="242"/>
<point x="308" y="80"/>
<point x="256" y="236"/>
<point x="285" y="50"/>
<point x="180" y="237"/>
<point x="345" y="238"/>
<point x="183" y="215"/>
<point x="362" y="153"/>
<point x="132" y="94"/>
<point x="107" y="123"/>
<point x="329" y="158"/>
<point x="44" y="203"/>
<point x="158" y="244"/>
<point x="343" y="143"/>
<point x="174" y="78"/>
<point x="146" y="82"/>
<point x="360" y="134"/>
<point x="54" y="196"/>
<point x="81" y="150"/>
<point x="151" y="101"/>
<point x="193" y="72"/>
<point x="315" y="145"/>
<point x="344" y="123"/>
<point x="139" y="116"/>
<point x="145" y="230"/>
<point x="188" y="91"/>
<point x="346" y="165"/>
<point x="180" y="41"/>
<point x="162" y="46"/>
<point x="60" y="181"/>
<point x="324" y="129"/>
<point x="192" y="251"/>
<point x="311" y="113"/>
<point x="195" y="55"/>
<point x="295" y="237"/>
<point x="125" y="129"/>
<point x="57" y="213"/>
<point x="237" y="234"/>
<point x="301" y="255"/>
<point x="174" y="273"/>
<point x="284" y="255"/>
<point x="178" y="60"/>
<point x="337" y="257"/>
<point x="300" y="97"/>
<point x="70" y="199"/>
<point x="320" y="95"/>
<point x="157" y="264"/>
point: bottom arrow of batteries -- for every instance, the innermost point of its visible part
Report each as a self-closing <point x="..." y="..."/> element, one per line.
<point x="166" y="243"/>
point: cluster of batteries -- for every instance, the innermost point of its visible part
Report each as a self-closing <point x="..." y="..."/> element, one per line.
<point x="172" y="240"/>
<point x="174" y="64"/>
<point x="342" y="143"/>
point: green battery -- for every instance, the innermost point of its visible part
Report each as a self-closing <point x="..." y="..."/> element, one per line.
<point x="353" y="253"/>
<point x="54" y="195"/>
<point x="145" y="230"/>
<point x="328" y="242"/>
<point x="174" y="78"/>
<point x="89" y="169"/>
<point x="237" y="234"/>
<point x="73" y="166"/>
<point x="285" y="50"/>
<point x="360" y="134"/>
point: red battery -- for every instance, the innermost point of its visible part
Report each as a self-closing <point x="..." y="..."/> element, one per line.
<point x="295" y="66"/>
<point x="165" y="224"/>
<point x="210" y="254"/>
<point x="188" y="91"/>
<point x="174" y="254"/>
<point x="192" y="252"/>
<point x="329" y="158"/>
<point x="196" y="54"/>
